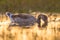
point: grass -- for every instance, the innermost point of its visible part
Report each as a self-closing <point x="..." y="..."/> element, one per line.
<point x="33" y="33"/>
<point x="26" y="5"/>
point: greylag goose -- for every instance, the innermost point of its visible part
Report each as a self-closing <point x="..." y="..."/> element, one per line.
<point x="21" y="19"/>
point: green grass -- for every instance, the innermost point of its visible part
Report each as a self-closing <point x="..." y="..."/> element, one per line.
<point x="26" y="5"/>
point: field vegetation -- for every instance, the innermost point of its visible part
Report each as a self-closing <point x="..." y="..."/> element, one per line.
<point x="30" y="5"/>
<point x="51" y="32"/>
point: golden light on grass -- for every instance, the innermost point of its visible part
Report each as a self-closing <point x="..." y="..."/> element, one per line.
<point x="51" y="32"/>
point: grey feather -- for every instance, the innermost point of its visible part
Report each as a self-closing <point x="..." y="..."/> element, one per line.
<point x="29" y="21"/>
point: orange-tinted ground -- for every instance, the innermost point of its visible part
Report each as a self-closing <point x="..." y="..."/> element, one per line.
<point x="52" y="32"/>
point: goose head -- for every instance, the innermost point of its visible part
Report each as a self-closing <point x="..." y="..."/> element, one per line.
<point x="8" y="14"/>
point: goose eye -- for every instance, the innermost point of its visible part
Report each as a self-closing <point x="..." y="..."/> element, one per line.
<point x="8" y="14"/>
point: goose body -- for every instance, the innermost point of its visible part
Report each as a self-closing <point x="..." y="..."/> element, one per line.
<point x="21" y="19"/>
<point x="27" y="19"/>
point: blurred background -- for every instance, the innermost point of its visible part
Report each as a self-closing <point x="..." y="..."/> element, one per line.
<point x="30" y="5"/>
<point x="52" y="30"/>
